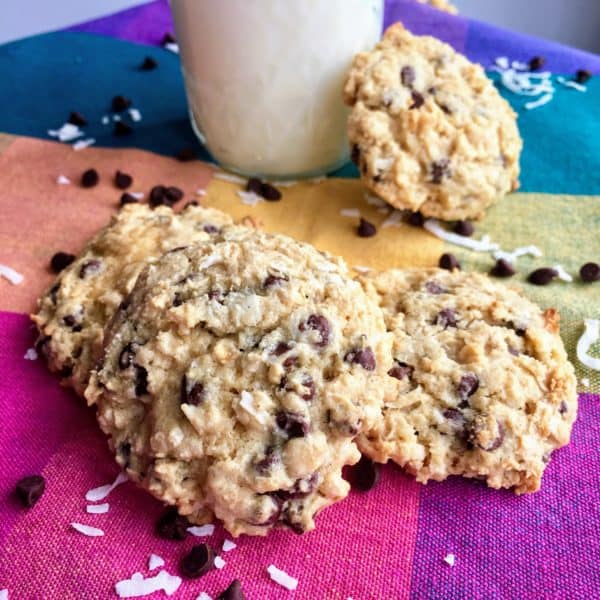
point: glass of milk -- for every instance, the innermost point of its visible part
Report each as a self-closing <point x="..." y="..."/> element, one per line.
<point x="264" y="79"/>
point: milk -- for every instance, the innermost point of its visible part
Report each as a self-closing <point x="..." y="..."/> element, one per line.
<point x="264" y="78"/>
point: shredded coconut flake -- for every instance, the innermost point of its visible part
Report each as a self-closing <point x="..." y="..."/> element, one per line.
<point x="137" y="195"/>
<point x="518" y="66"/>
<point x="97" y="509"/>
<point x="393" y="220"/>
<point x="203" y="596"/>
<point x="13" y="276"/>
<point x="31" y="354"/>
<point x="99" y="493"/>
<point x="517" y="252"/>
<point x="87" y="530"/>
<point x="209" y="261"/>
<point x="282" y="578"/>
<point x="228" y="545"/>
<point x="539" y="102"/>
<point x="383" y="164"/>
<point x="482" y="245"/>
<point x="591" y="334"/>
<point x="375" y="200"/>
<point x="502" y="62"/>
<point x="172" y="47"/>
<point x="585" y="382"/>
<point x="154" y="562"/>
<point x="230" y="178"/>
<point x="350" y="212"/>
<point x="361" y="269"/>
<point x="67" y="133"/>
<point x="562" y="274"/>
<point x="450" y="559"/>
<point x="62" y="180"/>
<point x="135" y="115"/>
<point x="116" y="117"/>
<point x="81" y="144"/>
<point x="105" y="120"/>
<point x="249" y="198"/>
<point x="202" y="530"/>
<point x="139" y="586"/>
<point x="219" y="562"/>
<point x="200" y="192"/>
<point x="571" y="84"/>
<point x="247" y="403"/>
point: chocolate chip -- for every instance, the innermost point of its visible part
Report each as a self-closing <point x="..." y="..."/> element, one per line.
<point x="407" y="76"/>
<point x="30" y="489"/>
<point x="433" y="287"/>
<point x="280" y="349"/>
<point x="233" y="592"/>
<point x="71" y="321"/>
<point x="90" y="267"/>
<point x="290" y="362"/>
<point x="186" y="155"/>
<point x="464" y="228"/>
<point x="253" y="185"/>
<point x="364" y="474"/>
<point x="401" y="370"/>
<point x="148" y="64"/>
<point x="124" y="454"/>
<point x="416" y="219"/>
<point x="502" y="268"/>
<point x="355" y="154"/>
<point x="127" y="198"/>
<point x="562" y="409"/>
<point x="270" y="192"/>
<point x="60" y="261"/>
<point x="123" y="180"/>
<point x="171" y="525"/>
<point x="293" y="424"/>
<point x="300" y="489"/>
<point x="192" y="392"/>
<point x="208" y="228"/>
<point x="272" y="457"/>
<point x="172" y="195"/>
<point x="309" y="384"/>
<point x="121" y="129"/>
<point x="478" y="434"/>
<point x="542" y="276"/>
<point x="417" y="99"/>
<point x="318" y="323"/>
<point x="366" y="229"/>
<point x="449" y="262"/>
<point x="197" y="562"/>
<point x="454" y="415"/>
<point x="537" y="62"/>
<point x="141" y="380"/>
<point x="157" y="196"/>
<point x="469" y="384"/>
<point x="76" y="118"/>
<point x="120" y="103"/>
<point x="583" y="76"/>
<point x="274" y="280"/>
<point x="54" y="292"/>
<point x="446" y="318"/>
<point x="89" y="178"/>
<point x="168" y="39"/>
<point x="363" y="357"/>
<point x="590" y="272"/>
<point x="439" y="170"/>
<point x="126" y="357"/>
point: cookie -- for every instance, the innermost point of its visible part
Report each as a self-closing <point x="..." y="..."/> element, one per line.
<point x="441" y="5"/>
<point x="481" y="385"/>
<point x="72" y="313"/>
<point x="236" y="378"/>
<point x="429" y="131"/>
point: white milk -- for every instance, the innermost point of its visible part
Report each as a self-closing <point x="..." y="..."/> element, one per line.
<point x="264" y="78"/>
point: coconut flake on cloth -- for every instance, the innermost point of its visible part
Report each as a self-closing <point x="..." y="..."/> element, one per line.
<point x="87" y="530"/>
<point x="219" y="562"/>
<point x="66" y="133"/>
<point x="394" y="219"/>
<point x="13" y="276"/>
<point x="172" y="47"/>
<point x="249" y="198"/>
<point x="203" y="596"/>
<point x="202" y="530"/>
<point x="282" y="578"/>
<point x="482" y="245"/>
<point x="350" y="212"/>
<point x="376" y="201"/>
<point x="562" y="274"/>
<point x="81" y="144"/>
<point x="517" y="252"/>
<point x="450" y="559"/>
<point x="229" y="178"/>
<point x="135" y="115"/>
<point x="31" y="354"/>
<point x="571" y="84"/>
<point x="228" y="545"/>
<point x="591" y="334"/>
<point x="99" y="493"/>
<point x="362" y="269"/>
<point x="138" y="585"/>
<point x="585" y="382"/>
<point x="63" y="180"/>
<point x="155" y="561"/>
<point x="97" y="509"/>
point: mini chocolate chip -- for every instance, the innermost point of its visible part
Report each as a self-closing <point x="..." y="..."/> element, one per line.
<point x="363" y="357"/>
<point x="401" y="370"/>
<point x="233" y="592"/>
<point x="89" y="178"/>
<point x="542" y="276"/>
<point x="254" y="185"/>
<point x="90" y="267"/>
<point x="513" y="351"/>
<point x="171" y="525"/>
<point x="433" y="287"/>
<point x="148" y="64"/>
<point x="126" y="357"/>
<point x="186" y="155"/>
<point x="172" y="195"/>
<point x="439" y="170"/>
<point x="364" y="474"/>
<point x="583" y="76"/>
<point x="157" y="196"/>
<point x="562" y="409"/>
<point x="290" y="362"/>
<point x="309" y="384"/>
<point x="453" y="414"/>
<point x="537" y="62"/>
<point x="192" y="392"/>
<point x="469" y="384"/>
<point x="280" y="349"/>
<point x="127" y="198"/>
<point x="270" y="192"/>
<point x="445" y="108"/>
<point x="520" y="331"/>
<point x="318" y="323"/>
<point x="292" y="423"/>
<point x="590" y="272"/>
<point x="464" y="228"/>
<point x="71" y="321"/>
<point x="197" y="562"/>
<point x="416" y="219"/>
<point x="121" y="129"/>
<point x="274" y="280"/>
<point x="30" y="489"/>
<point x="123" y="180"/>
<point x="272" y="458"/>
<point x="417" y="99"/>
<point x="76" y="118"/>
<point x="479" y="426"/>
<point x="124" y="454"/>
<point x="446" y="318"/>
<point x="502" y="268"/>
<point x="300" y="489"/>
<point x="120" y="103"/>
<point x="449" y="262"/>
<point x="208" y="228"/>
<point x="168" y="38"/>
<point x="141" y="380"/>
<point x="407" y="76"/>
<point x="355" y="154"/>
<point x="366" y="229"/>
<point x="60" y="261"/>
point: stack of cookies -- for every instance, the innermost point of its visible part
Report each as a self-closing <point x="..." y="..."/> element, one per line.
<point x="236" y="373"/>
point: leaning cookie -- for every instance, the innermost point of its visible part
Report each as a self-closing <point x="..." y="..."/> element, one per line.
<point x="481" y="385"/>
<point x="72" y="313"/>
<point x="236" y="377"/>
<point x="428" y="129"/>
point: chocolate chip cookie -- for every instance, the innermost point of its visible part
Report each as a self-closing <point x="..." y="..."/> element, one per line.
<point x="73" y="312"/>
<point x="480" y="386"/>
<point x="429" y="131"/>
<point x="236" y="376"/>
